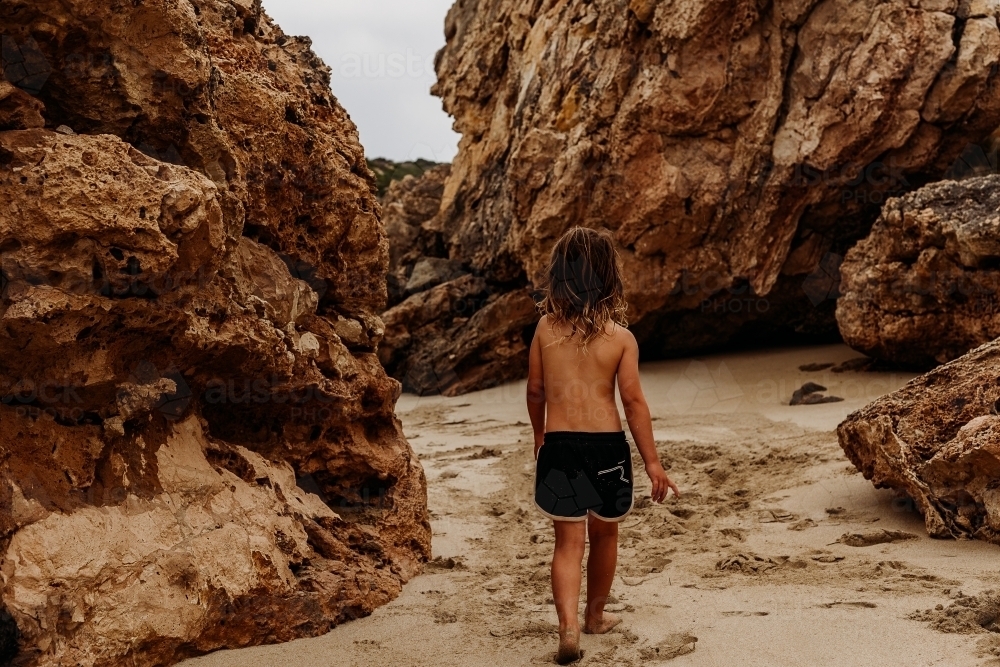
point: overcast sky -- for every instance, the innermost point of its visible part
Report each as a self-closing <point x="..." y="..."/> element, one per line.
<point x="382" y="56"/>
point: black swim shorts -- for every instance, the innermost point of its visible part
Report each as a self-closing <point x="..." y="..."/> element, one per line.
<point x="579" y="473"/>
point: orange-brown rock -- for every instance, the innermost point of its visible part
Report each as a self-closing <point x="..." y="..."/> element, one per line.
<point x="924" y="287"/>
<point x="737" y="150"/>
<point x="409" y="204"/>
<point x="446" y="331"/>
<point x="197" y="442"/>
<point x="937" y="440"/>
<point x="459" y="336"/>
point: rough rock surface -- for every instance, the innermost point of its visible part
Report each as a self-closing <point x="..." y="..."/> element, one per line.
<point x="197" y="442"/>
<point x="447" y="331"/>
<point x="408" y="205"/>
<point x="458" y="337"/>
<point x="736" y="149"/>
<point x="924" y="287"/>
<point x="938" y="441"/>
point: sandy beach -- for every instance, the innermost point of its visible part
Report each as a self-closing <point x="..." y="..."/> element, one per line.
<point x="750" y="567"/>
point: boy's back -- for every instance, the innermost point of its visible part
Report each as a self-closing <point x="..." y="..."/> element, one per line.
<point x="580" y="382"/>
<point x="583" y="474"/>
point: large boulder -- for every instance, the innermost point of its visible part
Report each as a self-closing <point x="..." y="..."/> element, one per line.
<point x="924" y="287"/>
<point x="458" y="337"/>
<point x="937" y="440"/>
<point x="197" y="442"/>
<point x="736" y="150"/>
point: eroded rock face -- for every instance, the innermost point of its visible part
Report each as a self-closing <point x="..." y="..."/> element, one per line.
<point x="447" y="331"/>
<point x="924" y="287"/>
<point x="197" y="442"/>
<point x="938" y="441"/>
<point x="458" y="337"/>
<point x="736" y="150"/>
<point x="409" y="204"/>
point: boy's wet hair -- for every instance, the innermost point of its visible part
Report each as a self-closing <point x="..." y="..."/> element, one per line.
<point x="584" y="286"/>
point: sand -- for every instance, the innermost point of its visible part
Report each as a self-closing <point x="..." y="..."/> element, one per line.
<point x="754" y="565"/>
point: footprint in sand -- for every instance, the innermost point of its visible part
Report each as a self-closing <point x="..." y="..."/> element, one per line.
<point x="875" y="537"/>
<point x="862" y="604"/>
<point x="803" y="525"/>
<point x="673" y="646"/>
<point x="745" y="614"/>
<point x="828" y="558"/>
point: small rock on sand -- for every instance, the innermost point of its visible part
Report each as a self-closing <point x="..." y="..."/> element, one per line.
<point x="809" y="394"/>
<point x="814" y="368"/>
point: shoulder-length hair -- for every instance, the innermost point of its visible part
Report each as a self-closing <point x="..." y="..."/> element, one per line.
<point x="584" y="287"/>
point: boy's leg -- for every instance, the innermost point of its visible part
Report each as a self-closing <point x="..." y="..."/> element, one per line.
<point x="600" y="574"/>
<point x="566" y="565"/>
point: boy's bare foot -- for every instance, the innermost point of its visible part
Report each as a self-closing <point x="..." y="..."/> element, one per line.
<point x="607" y="622"/>
<point x="569" y="646"/>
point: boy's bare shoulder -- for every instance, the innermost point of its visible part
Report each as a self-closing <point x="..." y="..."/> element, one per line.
<point x="543" y="327"/>
<point x="623" y="336"/>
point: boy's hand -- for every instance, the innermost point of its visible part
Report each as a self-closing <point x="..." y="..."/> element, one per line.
<point x="661" y="483"/>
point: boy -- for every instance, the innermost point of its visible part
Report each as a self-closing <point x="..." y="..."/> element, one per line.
<point x="583" y="477"/>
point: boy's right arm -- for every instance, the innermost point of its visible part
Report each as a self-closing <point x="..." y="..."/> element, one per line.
<point x="639" y="420"/>
<point x="536" y="393"/>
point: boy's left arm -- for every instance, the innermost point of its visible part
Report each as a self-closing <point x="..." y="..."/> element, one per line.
<point x="536" y="393"/>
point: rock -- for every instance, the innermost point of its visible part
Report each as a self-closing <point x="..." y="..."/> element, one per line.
<point x="809" y="394"/>
<point x="713" y="139"/>
<point x="431" y="271"/>
<point x="815" y="368"/>
<point x="924" y="287"/>
<point x="287" y="299"/>
<point x="150" y="227"/>
<point x="388" y="172"/>
<point x="408" y="205"/>
<point x="936" y="441"/>
<point x="197" y="443"/>
<point x="458" y="337"/>
<point x="817" y="399"/>
<point x="447" y="331"/>
<point x="226" y="93"/>
<point x="828" y="559"/>
<point x="811" y="388"/>
<point x="18" y="109"/>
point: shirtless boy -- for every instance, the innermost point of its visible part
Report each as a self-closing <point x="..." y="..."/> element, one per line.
<point x="583" y="479"/>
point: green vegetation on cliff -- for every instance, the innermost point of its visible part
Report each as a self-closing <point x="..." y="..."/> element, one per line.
<point x="387" y="171"/>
